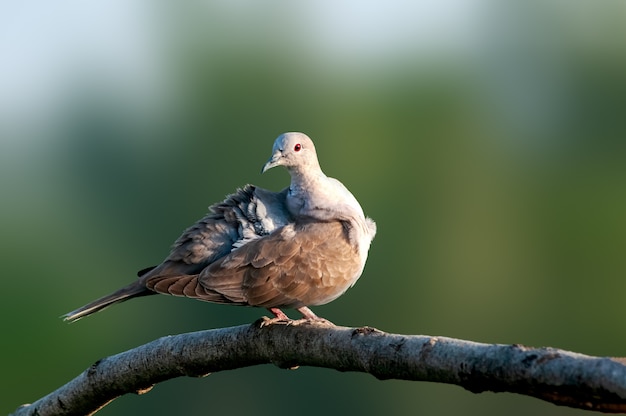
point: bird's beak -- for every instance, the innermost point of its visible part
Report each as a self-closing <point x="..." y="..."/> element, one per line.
<point x="273" y="161"/>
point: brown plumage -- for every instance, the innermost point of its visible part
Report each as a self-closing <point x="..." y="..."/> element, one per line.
<point x="303" y="246"/>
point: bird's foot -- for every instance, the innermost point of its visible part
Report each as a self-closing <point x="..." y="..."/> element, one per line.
<point x="310" y="317"/>
<point x="280" y="318"/>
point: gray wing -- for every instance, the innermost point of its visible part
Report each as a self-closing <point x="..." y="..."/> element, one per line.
<point x="245" y="215"/>
<point x="248" y="214"/>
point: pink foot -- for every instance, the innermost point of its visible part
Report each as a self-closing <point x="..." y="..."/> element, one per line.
<point x="279" y="317"/>
<point x="310" y="316"/>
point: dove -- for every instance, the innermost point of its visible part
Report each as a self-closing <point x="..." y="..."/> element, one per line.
<point x="303" y="246"/>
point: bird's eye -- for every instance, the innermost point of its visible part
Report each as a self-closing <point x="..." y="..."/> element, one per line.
<point x="297" y="147"/>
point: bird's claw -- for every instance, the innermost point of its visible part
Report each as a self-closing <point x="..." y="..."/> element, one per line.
<point x="265" y="321"/>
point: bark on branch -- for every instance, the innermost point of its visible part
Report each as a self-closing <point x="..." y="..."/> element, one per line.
<point x="558" y="376"/>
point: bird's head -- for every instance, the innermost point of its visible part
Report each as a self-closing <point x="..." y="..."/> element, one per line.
<point x="295" y="151"/>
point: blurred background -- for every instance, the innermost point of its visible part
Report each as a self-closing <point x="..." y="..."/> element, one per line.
<point x="486" y="138"/>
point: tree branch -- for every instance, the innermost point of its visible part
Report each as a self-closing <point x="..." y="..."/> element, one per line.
<point x="558" y="376"/>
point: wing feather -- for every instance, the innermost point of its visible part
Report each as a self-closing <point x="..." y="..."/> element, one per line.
<point x="306" y="263"/>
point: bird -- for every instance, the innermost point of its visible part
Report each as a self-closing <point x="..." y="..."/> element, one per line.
<point x="300" y="247"/>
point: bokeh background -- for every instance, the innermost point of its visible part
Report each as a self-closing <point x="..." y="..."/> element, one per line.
<point x="486" y="138"/>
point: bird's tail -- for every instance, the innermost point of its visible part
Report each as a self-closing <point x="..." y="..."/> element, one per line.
<point x="133" y="290"/>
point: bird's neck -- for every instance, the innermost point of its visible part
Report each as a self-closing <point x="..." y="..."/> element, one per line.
<point x="313" y="194"/>
<point x="302" y="181"/>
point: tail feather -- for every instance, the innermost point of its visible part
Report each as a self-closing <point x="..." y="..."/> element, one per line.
<point x="135" y="289"/>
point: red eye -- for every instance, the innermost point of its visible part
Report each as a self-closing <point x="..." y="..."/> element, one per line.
<point x="297" y="147"/>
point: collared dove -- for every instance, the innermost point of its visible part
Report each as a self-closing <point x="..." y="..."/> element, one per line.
<point x="300" y="247"/>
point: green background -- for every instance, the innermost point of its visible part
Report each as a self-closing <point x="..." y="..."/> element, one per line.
<point x="486" y="138"/>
